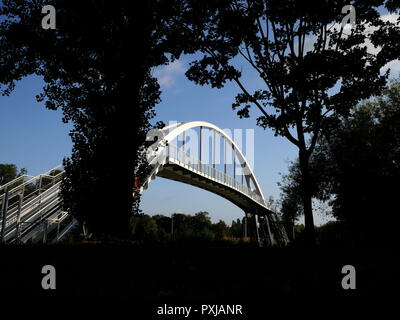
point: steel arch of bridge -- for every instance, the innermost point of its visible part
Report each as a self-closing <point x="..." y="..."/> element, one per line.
<point x="171" y="162"/>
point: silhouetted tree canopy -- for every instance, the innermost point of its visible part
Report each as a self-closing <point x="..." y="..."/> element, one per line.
<point x="311" y="69"/>
<point x="237" y="228"/>
<point x="356" y="171"/>
<point x="96" y="67"/>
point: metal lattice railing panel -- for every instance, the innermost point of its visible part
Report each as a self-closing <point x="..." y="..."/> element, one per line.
<point x="177" y="154"/>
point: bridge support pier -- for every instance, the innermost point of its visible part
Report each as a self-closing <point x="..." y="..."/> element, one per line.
<point x="245" y="224"/>
<point x="256" y="225"/>
<point x="257" y="231"/>
<point x="18" y="225"/>
<point x="269" y="233"/>
<point x="45" y="227"/>
<point x="4" y="215"/>
<point x="263" y="232"/>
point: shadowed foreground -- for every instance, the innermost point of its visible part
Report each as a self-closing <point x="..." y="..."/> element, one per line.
<point x="193" y="273"/>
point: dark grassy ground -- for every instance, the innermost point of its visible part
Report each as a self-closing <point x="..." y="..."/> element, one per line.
<point x="193" y="272"/>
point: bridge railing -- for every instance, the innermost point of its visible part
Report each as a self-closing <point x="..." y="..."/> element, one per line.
<point x="186" y="159"/>
<point x="21" y="196"/>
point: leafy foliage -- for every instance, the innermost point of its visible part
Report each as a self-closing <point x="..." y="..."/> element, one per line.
<point x="182" y="227"/>
<point x="356" y="170"/>
<point x="97" y="69"/>
<point x="312" y="71"/>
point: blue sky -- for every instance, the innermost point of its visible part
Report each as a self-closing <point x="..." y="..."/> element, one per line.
<point x="30" y="135"/>
<point x="35" y="138"/>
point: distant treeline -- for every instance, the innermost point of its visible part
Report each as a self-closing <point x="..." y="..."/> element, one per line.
<point x="181" y="226"/>
<point x="199" y="227"/>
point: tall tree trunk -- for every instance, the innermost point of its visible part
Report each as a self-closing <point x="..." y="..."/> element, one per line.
<point x="307" y="198"/>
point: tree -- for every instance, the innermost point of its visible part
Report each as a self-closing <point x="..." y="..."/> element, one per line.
<point x="97" y="68"/>
<point x="311" y="74"/>
<point x="290" y="209"/>
<point x="9" y="172"/>
<point x="291" y="204"/>
<point x="220" y="230"/>
<point x="200" y="221"/>
<point x="143" y="228"/>
<point x="237" y="228"/>
<point x="365" y="169"/>
<point x="164" y="226"/>
<point x="356" y="170"/>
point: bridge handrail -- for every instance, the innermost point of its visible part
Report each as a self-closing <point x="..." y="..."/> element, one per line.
<point x="37" y="200"/>
<point x="178" y="154"/>
<point x="16" y="180"/>
<point x="31" y="178"/>
<point x="34" y="179"/>
<point x="37" y="205"/>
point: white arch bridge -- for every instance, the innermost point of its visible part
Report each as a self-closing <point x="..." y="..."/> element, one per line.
<point x="31" y="207"/>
